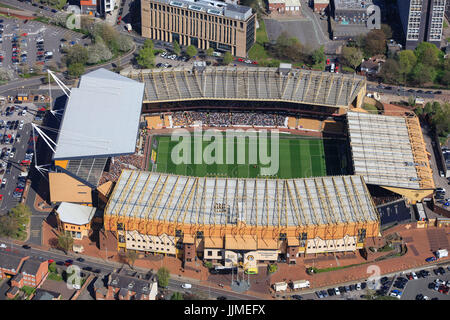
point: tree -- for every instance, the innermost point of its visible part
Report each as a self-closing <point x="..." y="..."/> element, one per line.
<point x="441" y="120"/>
<point x="75" y="70"/>
<point x="209" y="52"/>
<point x="21" y="213"/>
<point x="375" y="42"/>
<point x="390" y="72"/>
<point x="427" y="54"/>
<point x="318" y="55"/>
<point x="149" y="44"/>
<point x="412" y="101"/>
<point x="418" y="111"/>
<point x="387" y="30"/>
<point x="352" y="56"/>
<point x="99" y="52"/>
<point x="65" y="241"/>
<point x="77" y="54"/>
<point x="6" y="74"/>
<point x="8" y="226"/>
<point x="288" y="48"/>
<point x="177" y="296"/>
<point x="176" y="48"/>
<point x="428" y="109"/>
<point x="445" y="79"/>
<point x="227" y="58"/>
<point x="52" y="267"/>
<point x="191" y="51"/>
<point x="131" y="258"/>
<point x="146" y="58"/>
<point x="406" y="60"/>
<point x="422" y="74"/>
<point x="163" y="277"/>
<point x="125" y="43"/>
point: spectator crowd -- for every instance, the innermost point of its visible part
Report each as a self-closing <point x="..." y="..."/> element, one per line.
<point x="119" y="163"/>
<point x="227" y="119"/>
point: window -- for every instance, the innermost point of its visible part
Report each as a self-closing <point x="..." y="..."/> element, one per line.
<point x="209" y="253"/>
<point x="219" y="253"/>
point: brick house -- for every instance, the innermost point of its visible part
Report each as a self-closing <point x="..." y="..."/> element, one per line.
<point x="123" y="286"/>
<point x="320" y="5"/>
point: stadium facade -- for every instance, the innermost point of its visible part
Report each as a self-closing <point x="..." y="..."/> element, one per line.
<point x="236" y="221"/>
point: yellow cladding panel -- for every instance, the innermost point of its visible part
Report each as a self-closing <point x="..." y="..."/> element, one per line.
<point x="61" y="163"/>
<point x="411" y="195"/>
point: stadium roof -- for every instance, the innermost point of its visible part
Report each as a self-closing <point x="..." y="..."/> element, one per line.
<point x="381" y="150"/>
<point x="248" y="83"/>
<point x="75" y="214"/>
<point x="256" y="202"/>
<point x="101" y="117"/>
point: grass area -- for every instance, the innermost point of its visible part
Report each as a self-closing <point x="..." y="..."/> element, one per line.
<point x="43" y="20"/>
<point x="28" y="75"/>
<point x="257" y="52"/>
<point x="299" y="157"/>
<point x="28" y="290"/>
<point x="386" y="248"/>
<point x="370" y="107"/>
<point x="316" y="270"/>
<point x="55" y="276"/>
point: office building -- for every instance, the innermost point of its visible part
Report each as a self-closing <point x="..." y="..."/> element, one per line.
<point x="203" y="24"/>
<point x="422" y="20"/>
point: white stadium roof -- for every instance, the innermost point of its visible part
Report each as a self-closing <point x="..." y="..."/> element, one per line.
<point x="381" y="150"/>
<point x="257" y="202"/>
<point x="101" y="117"/>
<point x="75" y="213"/>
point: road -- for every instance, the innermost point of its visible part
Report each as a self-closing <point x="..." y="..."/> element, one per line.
<point x="108" y="267"/>
<point x="400" y="91"/>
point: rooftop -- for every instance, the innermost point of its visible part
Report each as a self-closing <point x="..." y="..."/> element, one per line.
<point x="130" y="283"/>
<point x="352" y="4"/>
<point x="256" y="202"/>
<point x="101" y="117"/>
<point x="218" y="8"/>
<point x="382" y="151"/>
<point x="75" y="213"/>
<point x="31" y="266"/>
<point x="251" y="84"/>
<point x="9" y="260"/>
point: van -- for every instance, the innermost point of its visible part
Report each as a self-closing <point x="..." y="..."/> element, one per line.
<point x="186" y="286"/>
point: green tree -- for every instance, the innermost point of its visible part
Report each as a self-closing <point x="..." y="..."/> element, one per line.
<point x="428" y="109"/>
<point x="227" y="58"/>
<point x="177" y="296"/>
<point x="387" y="30"/>
<point x="65" y="241"/>
<point x="177" y="48"/>
<point x="412" y="101"/>
<point x="146" y="58"/>
<point x="52" y="267"/>
<point x="318" y="55"/>
<point x="75" y="70"/>
<point x="149" y="44"/>
<point x="442" y="120"/>
<point x="421" y="74"/>
<point x="445" y="79"/>
<point x="427" y="54"/>
<point x="406" y="60"/>
<point x="390" y="72"/>
<point x="375" y="42"/>
<point x="352" y="56"/>
<point x="163" y="277"/>
<point x="191" y="51"/>
<point x="8" y="226"/>
<point x="21" y="213"/>
<point x="77" y="54"/>
<point x="209" y="52"/>
<point x="418" y="111"/>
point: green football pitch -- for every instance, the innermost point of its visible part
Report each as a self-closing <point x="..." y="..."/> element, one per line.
<point x="299" y="157"/>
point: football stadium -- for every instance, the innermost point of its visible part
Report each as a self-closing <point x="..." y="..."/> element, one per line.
<point x="334" y="162"/>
